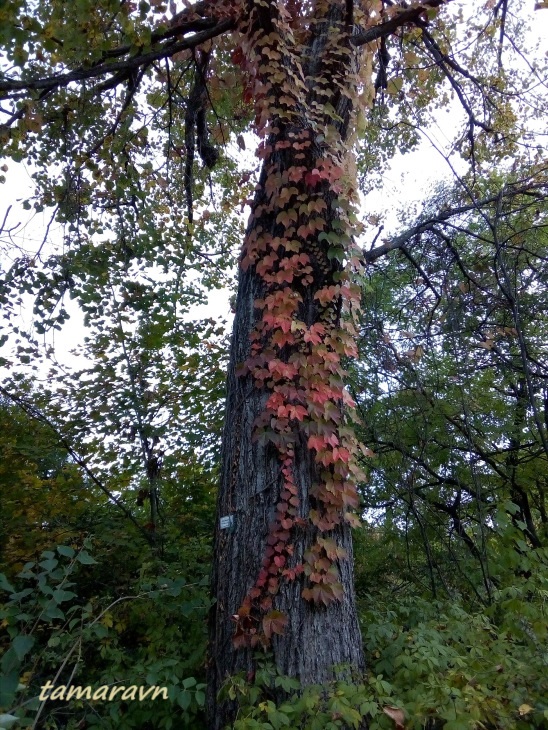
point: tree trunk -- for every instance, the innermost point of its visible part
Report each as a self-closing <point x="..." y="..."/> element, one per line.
<point x="283" y="573"/>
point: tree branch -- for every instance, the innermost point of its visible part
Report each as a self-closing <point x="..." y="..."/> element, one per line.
<point x="409" y="15"/>
<point x="444" y="215"/>
<point x="81" y="74"/>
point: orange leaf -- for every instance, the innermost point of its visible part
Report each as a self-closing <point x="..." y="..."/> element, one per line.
<point x="320" y="593"/>
<point x="352" y="520"/>
<point x="274" y="623"/>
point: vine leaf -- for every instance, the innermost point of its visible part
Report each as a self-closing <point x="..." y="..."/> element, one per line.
<point x="274" y="623"/>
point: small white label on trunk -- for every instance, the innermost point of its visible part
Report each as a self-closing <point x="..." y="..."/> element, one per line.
<point x="227" y="522"/>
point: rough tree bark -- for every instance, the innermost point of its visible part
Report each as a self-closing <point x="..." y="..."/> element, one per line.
<point x="316" y="637"/>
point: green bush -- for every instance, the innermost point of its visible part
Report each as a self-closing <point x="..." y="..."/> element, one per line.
<point x="53" y="632"/>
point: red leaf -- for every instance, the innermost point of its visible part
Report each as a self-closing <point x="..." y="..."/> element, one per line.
<point x="314" y="177"/>
<point x="342" y="454"/>
<point x="316" y="442"/>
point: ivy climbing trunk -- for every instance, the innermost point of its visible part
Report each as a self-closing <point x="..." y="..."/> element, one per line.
<point x="283" y="573"/>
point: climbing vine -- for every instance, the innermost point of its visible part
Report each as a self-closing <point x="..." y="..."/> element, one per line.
<point x="300" y="242"/>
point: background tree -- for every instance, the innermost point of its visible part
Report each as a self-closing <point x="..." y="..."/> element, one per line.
<point x="452" y="345"/>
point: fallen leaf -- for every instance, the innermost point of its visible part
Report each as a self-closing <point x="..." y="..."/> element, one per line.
<point x="394" y="713"/>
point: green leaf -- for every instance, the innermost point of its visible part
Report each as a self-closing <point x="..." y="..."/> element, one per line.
<point x="5" y="585"/>
<point x="49" y="564"/>
<point x="184" y="699"/>
<point x="66" y="551"/>
<point x="52" y="612"/>
<point x="21" y="594"/>
<point x="85" y="558"/>
<point x="394" y="86"/>
<point x="22" y="645"/>
<point x="9" y="661"/>
<point x="8" y="687"/>
<point x="60" y="595"/>
<point x="336" y="252"/>
<point x="6" y="721"/>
